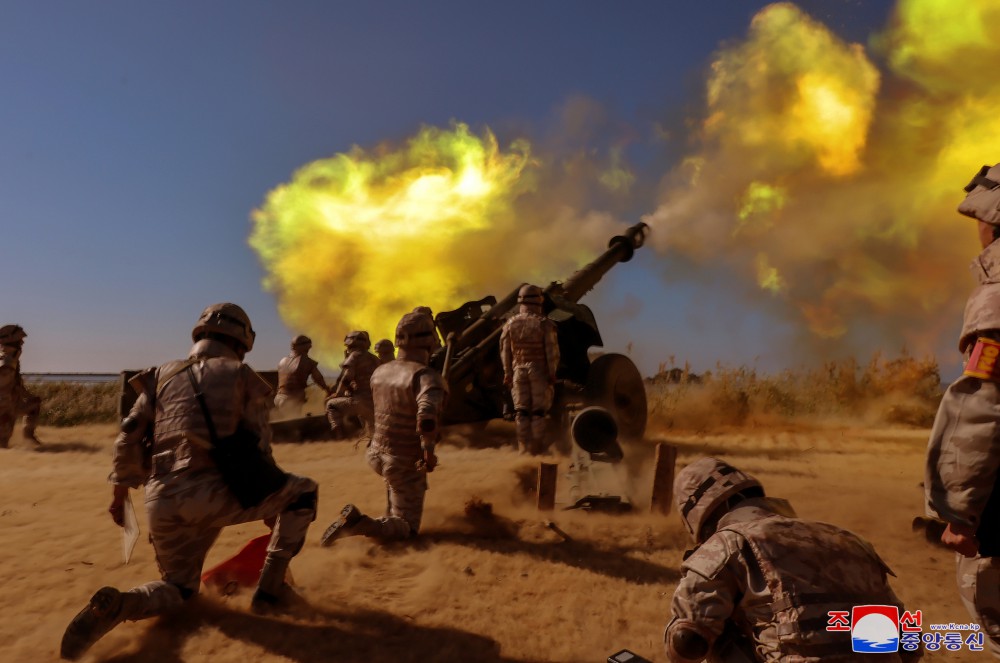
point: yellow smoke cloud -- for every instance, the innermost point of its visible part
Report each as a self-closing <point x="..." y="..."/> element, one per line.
<point x="357" y="240"/>
<point x="834" y="188"/>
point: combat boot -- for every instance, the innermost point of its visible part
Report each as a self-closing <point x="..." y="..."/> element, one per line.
<point x="351" y="523"/>
<point x="271" y="586"/>
<point x="102" y="614"/>
<point x="29" y="434"/>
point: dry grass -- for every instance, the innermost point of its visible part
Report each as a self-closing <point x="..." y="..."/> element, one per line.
<point x="71" y="404"/>
<point x="900" y="391"/>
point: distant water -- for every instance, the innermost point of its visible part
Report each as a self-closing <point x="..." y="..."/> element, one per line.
<point x="75" y="378"/>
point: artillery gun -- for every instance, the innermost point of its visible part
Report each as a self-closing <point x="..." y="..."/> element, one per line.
<point x="470" y="359"/>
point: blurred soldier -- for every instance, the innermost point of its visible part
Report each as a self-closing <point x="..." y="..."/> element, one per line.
<point x="352" y="397"/>
<point x="963" y="453"/>
<point x="385" y="350"/>
<point x="529" y="350"/>
<point x="409" y="396"/>
<point x="15" y="399"/>
<point x="759" y="585"/>
<point x="187" y="499"/>
<point x="294" y="372"/>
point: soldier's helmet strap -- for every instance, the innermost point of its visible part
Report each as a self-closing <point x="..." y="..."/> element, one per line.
<point x="703" y="488"/>
<point x="980" y="179"/>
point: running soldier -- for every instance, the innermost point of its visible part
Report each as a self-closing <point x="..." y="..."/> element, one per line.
<point x="963" y="455"/>
<point x="529" y="350"/>
<point x="759" y="585"/>
<point x="15" y="399"/>
<point x="294" y="372"/>
<point x="409" y="396"/>
<point x="352" y="397"/>
<point x="187" y="500"/>
<point x="385" y="350"/>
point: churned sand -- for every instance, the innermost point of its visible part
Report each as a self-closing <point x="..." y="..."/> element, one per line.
<point x="472" y="588"/>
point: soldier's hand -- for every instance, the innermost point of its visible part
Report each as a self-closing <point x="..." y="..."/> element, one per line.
<point x="117" y="508"/>
<point x="430" y="460"/>
<point x="961" y="539"/>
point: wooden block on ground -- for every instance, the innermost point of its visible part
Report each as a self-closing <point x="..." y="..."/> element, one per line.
<point x="547" y="486"/>
<point x="663" y="478"/>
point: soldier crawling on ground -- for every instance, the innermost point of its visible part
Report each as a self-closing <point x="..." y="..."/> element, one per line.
<point x="352" y="397"/>
<point x="15" y="399"/>
<point x="760" y="584"/>
<point x="294" y="372"/>
<point x="529" y="350"/>
<point x="409" y="396"/>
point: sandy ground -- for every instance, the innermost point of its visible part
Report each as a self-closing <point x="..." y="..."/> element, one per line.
<point x="507" y="590"/>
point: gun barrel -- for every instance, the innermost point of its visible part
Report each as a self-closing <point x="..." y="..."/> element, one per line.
<point x="620" y="249"/>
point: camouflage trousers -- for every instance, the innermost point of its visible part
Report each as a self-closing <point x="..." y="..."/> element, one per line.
<point x="979" y="588"/>
<point x="10" y="412"/>
<point x="340" y="409"/>
<point x="186" y="513"/>
<point x="532" y="395"/>
<point x="405" y="487"/>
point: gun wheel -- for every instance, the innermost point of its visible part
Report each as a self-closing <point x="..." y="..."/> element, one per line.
<point x="615" y="384"/>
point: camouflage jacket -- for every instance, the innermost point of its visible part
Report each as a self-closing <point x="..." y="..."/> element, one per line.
<point x="12" y="389"/>
<point x="775" y="579"/>
<point x="529" y="339"/>
<point x="356" y="374"/>
<point x="963" y="454"/>
<point x="405" y="393"/>
<point x="293" y="374"/>
<point x="233" y="391"/>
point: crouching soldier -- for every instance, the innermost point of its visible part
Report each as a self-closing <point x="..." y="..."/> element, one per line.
<point x="409" y="396"/>
<point x="352" y="397"/>
<point x="759" y="585"/>
<point x="193" y="405"/>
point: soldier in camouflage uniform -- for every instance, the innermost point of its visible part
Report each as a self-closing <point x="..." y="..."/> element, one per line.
<point x="963" y="453"/>
<point x="352" y="396"/>
<point x="294" y="372"/>
<point x="409" y="396"/>
<point x="385" y="350"/>
<point x="758" y="585"/>
<point x="187" y="501"/>
<point x="15" y="399"/>
<point x="529" y="350"/>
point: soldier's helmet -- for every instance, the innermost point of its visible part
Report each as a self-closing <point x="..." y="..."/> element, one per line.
<point x="357" y="340"/>
<point x="384" y="347"/>
<point x="416" y="331"/>
<point x="226" y="319"/>
<point x="704" y="486"/>
<point x="12" y="335"/>
<point x="982" y="196"/>
<point x="301" y="342"/>
<point x="530" y="295"/>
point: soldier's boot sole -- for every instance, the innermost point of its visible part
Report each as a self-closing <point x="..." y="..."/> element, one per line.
<point x="350" y="516"/>
<point x="101" y="615"/>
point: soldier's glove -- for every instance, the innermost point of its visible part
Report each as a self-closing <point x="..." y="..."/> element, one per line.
<point x="961" y="539"/>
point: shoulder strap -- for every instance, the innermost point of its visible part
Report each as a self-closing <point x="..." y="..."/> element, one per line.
<point x="204" y="408"/>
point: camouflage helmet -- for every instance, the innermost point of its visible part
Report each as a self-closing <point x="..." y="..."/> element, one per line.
<point x="301" y="341"/>
<point x="226" y="319"/>
<point x="415" y="331"/>
<point x="12" y="334"/>
<point x="982" y="197"/>
<point x="530" y="295"/>
<point x="357" y="340"/>
<point x="704" y="486"/>
<point x="384" y="346"/>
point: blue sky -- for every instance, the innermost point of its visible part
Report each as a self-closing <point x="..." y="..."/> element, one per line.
<point x="138" y="137"/>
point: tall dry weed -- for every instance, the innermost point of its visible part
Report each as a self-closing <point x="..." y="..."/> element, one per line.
<point x="899" y="391"/>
